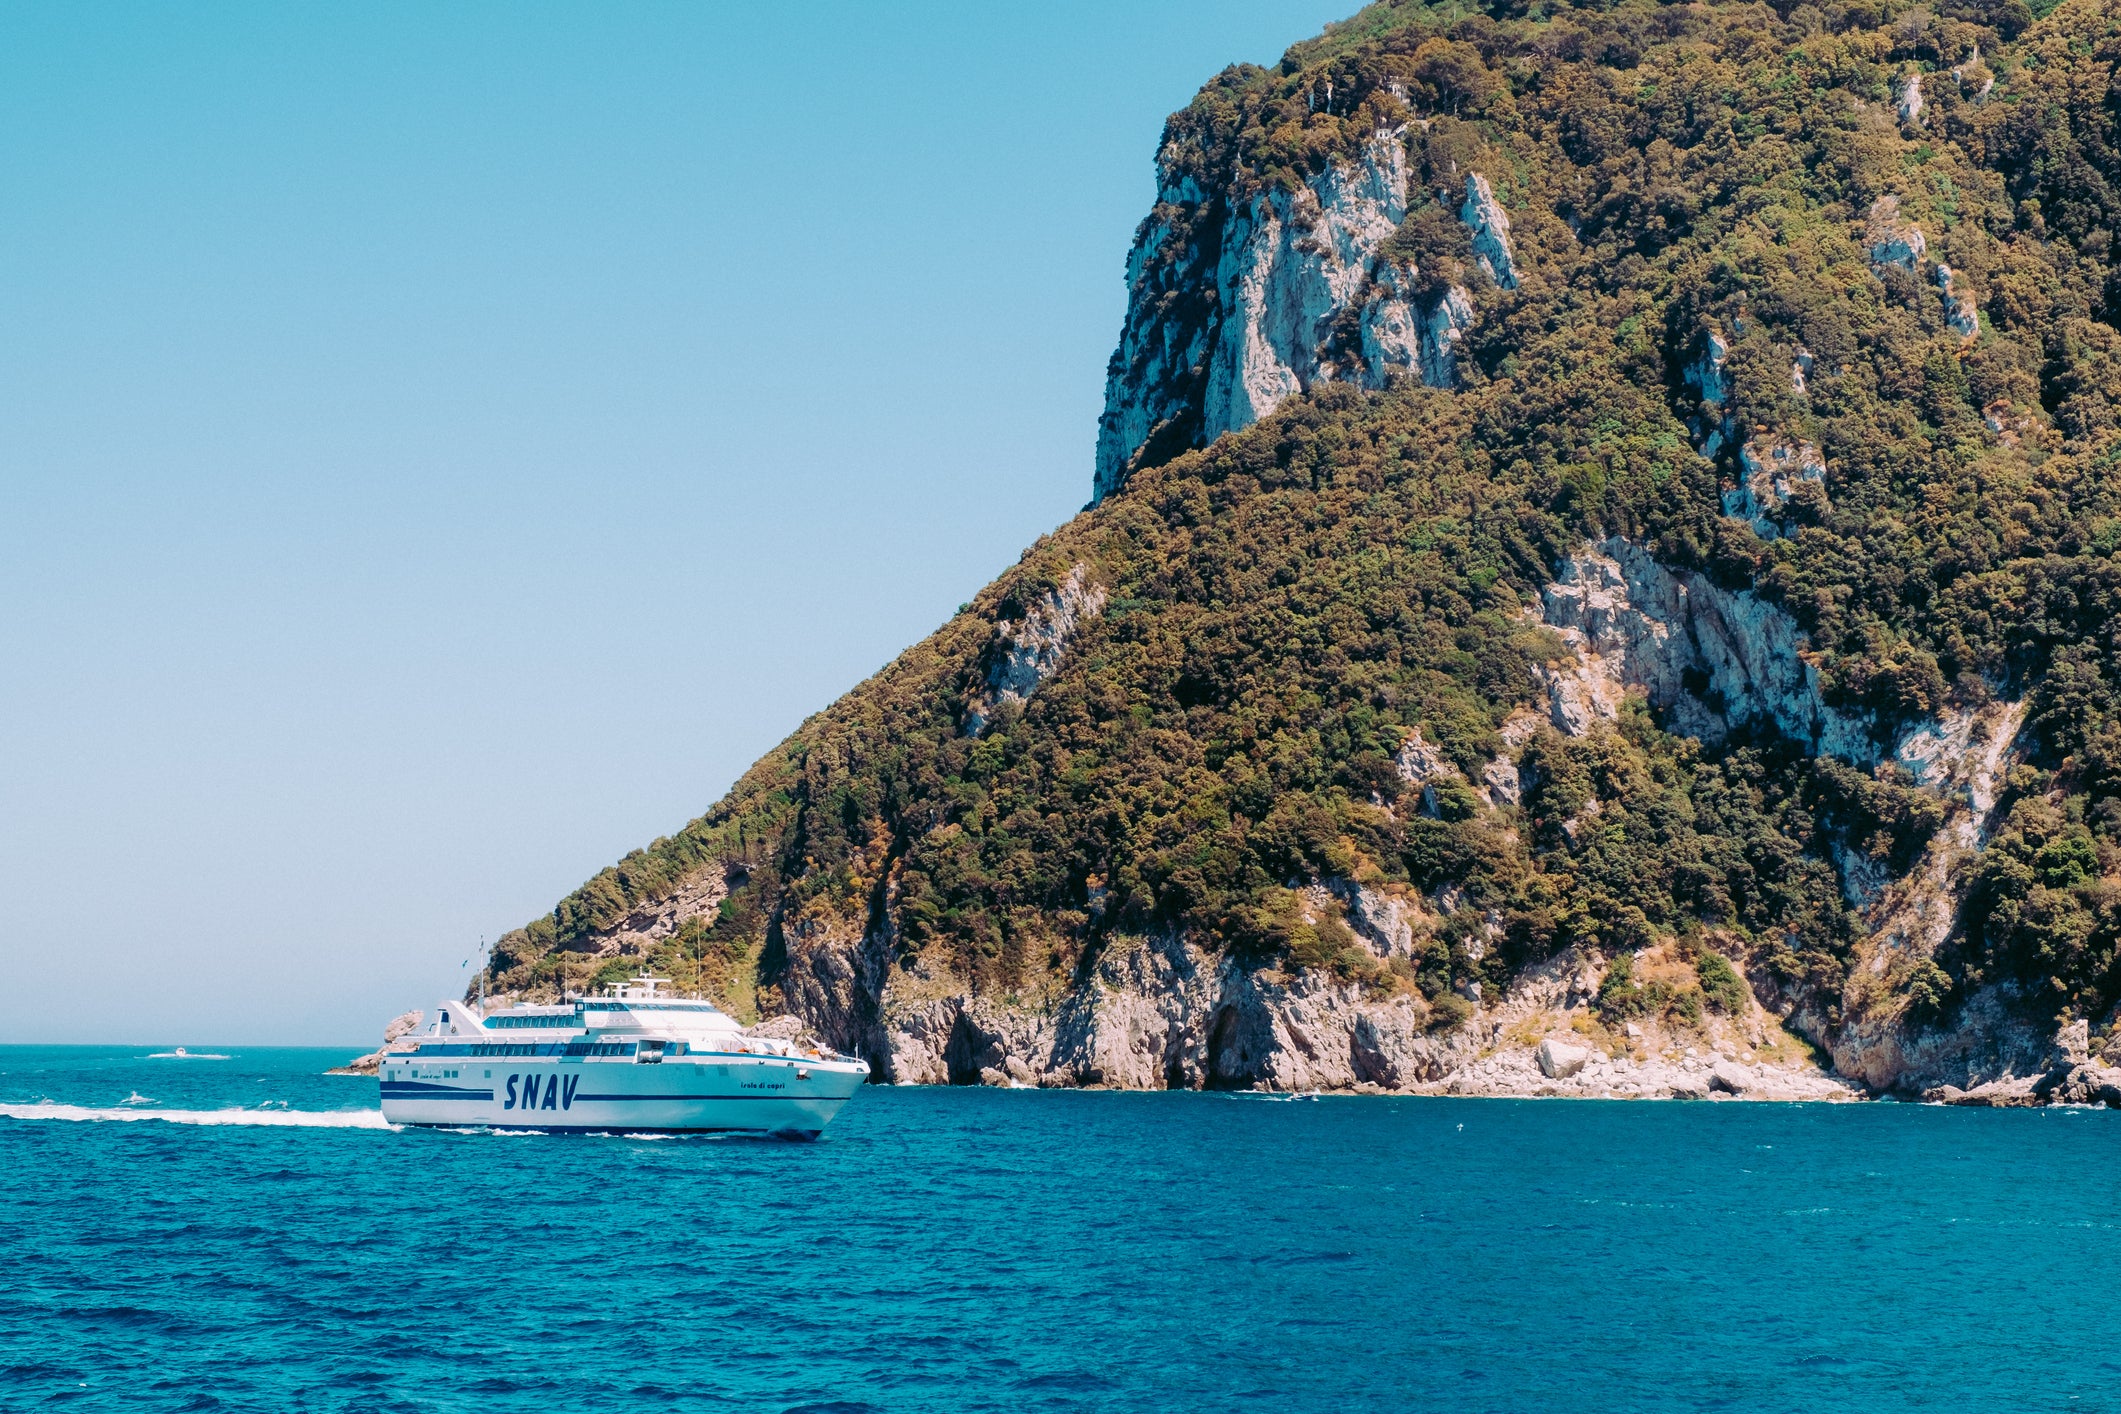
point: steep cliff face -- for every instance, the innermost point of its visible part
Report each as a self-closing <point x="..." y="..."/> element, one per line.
<point x="1163" y="1014"/>
<point x="1290" y="262"/>
<point x="1602" y="581"/>
<point x="1710" y="658"/>
<point x="1306" y="288"/>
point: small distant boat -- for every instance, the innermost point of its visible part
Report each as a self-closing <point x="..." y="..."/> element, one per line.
<point x="635" y="1060"/>
<point x="181" y="1054"/>
<point x="136" y="1098"/>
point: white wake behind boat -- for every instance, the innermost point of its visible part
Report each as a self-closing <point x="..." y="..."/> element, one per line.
<point x="635" y="1060"/>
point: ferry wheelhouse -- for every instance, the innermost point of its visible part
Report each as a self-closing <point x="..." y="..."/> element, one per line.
<point x="637" y="1059"/>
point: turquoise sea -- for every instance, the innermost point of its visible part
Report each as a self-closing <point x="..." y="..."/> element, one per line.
<point x="267" y="1245"/>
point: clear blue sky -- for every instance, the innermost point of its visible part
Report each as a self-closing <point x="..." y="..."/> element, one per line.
<point x="442" y="446"/>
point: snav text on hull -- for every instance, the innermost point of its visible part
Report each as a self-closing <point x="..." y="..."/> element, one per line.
<point x="636" y="1059"/>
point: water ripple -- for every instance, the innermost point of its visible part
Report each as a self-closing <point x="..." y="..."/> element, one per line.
<point x="962" y="1250"/>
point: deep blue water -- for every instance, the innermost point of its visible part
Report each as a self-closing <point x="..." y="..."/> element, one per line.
<point x="977" y="1250"/>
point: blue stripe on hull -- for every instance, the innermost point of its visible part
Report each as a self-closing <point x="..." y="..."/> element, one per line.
<point x="781" y="1098"/>
<point x="418" y="1090"/>
<point x="400" y="1090"/>
<point x="790" y="1132"/>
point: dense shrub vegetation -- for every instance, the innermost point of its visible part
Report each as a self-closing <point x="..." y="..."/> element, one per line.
<point x="1284" y="605"/>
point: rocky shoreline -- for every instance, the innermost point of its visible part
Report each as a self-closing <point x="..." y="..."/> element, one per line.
<point x="1163" y="1015"/>
<point x="397" y="1040"/>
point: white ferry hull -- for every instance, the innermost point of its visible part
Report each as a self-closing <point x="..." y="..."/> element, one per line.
<point x="757" y="1094"/>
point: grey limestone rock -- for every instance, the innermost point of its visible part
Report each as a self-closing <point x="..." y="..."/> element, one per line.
<point x="1893" y="239"/>
<point x="1424" y="768"/>
<point x="1910" y="104"/>
<point x="1281" y="270"/>
<point x="1959" y="312"/>
<point x="1771" y="469"/>
<point x="2073" y="1043"/>
<point x="1633" y="624"/>
<point x="1291" y="261"/>
<point x="395" y="1043"/>
<point x="1706" y="375"/>
<point x="1559" y="1061"/>
<point x="2080" y="1084"/>
<point x="1490" y="225"/>
<point x="656" y="919"/>
<point x="1027" y="651"/>
<point x="1732" y="1078"/>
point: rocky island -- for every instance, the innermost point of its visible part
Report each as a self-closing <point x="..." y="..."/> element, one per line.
<point x="1600" y="579"/>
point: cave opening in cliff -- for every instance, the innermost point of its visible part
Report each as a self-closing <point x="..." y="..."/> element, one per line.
<point x="961" y="1054"/>
<point x="1217" y="1073"/>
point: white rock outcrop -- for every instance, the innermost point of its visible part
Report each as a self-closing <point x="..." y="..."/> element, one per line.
<point x="1384" y="922"/>
<point x="1964" y="757"/>
<point x="1712" y="659"/>
<point x="1558" y="1060"/>
<point x="1392" y="327"/>
<point x="1236" y="304"/>
<point x="1443" y="324"/>
<point x="397" y="1041"/>
<point x="1894" y="240"/>
<point x="1490" y="225"/>
<point x="1715" y="659"/>
<point x="1402" y="330"/>
<point x="1959" y="313"/>
<point x="1732" y="1078"/>
<point x="653" y="920"/>
<point x="1291" y="262"/>
<point x="1424" y="768"/>
<point x="1770" y="469"/>
<point x="1500" y="780"/>
<point x="1027" y="651"/>
<point x="1707" y="376"/>
<point x="1633" y="624"/>
<point x="1910" y="105"/>
<point x="1801" y="371"/>
<point x="1961" y="755"/>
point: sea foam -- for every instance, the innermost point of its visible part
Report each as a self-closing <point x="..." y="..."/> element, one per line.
<point x="296" y="1119"/>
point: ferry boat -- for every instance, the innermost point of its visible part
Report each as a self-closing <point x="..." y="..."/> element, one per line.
<point x="637" y="1059"/>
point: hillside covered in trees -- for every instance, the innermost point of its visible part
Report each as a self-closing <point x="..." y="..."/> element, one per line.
<point x="1605" y="528"/>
